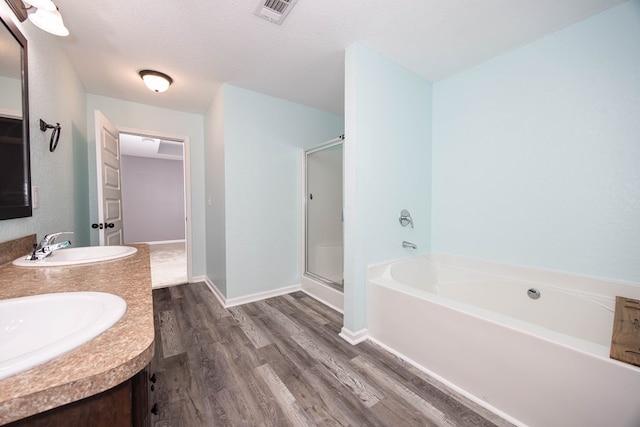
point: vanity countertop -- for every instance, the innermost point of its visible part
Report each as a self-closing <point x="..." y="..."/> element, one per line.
<point x="102" y="363"/>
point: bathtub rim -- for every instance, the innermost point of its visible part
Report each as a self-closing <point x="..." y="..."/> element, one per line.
<point x="379" y="274"/>
<point x="555" y="278"/>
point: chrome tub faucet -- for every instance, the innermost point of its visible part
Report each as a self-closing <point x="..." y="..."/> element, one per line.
<point x="406" y="244"/>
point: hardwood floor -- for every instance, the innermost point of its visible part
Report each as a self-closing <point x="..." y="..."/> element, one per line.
<point x="280" y="362"/>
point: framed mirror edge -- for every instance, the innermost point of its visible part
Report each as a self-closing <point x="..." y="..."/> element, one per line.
<point x="17" y="7"/>
<point x="12" y="212"/>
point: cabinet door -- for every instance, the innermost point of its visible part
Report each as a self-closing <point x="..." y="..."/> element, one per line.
<point x="140" y="399"/>
<point x="111" y="408"/>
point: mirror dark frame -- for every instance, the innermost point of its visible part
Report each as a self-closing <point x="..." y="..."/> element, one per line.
<point x="19" y="207"/>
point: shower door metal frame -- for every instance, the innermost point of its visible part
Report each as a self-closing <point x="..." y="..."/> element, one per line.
<point x="330" y="144"/>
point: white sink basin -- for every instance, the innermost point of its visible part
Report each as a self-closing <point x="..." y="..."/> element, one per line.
<point x="36" y="329"/>
<point x="83" y="255"/>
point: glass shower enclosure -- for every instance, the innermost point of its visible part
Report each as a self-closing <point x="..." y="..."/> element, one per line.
<point x="324" y="220"/>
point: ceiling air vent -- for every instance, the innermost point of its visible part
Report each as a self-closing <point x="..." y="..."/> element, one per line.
<point x="275" y="10"/>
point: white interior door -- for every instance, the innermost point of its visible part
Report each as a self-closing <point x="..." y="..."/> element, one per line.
<point x="109" y="182"/>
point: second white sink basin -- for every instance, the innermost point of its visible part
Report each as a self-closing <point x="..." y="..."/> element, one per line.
<point x="82" y="255"/>
<point x="36" y="329"/>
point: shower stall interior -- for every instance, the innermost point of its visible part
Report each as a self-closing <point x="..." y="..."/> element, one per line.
<point x="323" y="210"/>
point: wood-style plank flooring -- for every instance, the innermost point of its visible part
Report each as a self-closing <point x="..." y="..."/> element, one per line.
<point x="280" y="362"/>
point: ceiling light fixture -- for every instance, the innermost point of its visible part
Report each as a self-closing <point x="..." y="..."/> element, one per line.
<point x="44" y="14"/>
<point x="155" y="80"/>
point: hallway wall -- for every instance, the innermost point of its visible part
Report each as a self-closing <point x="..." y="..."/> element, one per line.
<point x="152" y="199"/>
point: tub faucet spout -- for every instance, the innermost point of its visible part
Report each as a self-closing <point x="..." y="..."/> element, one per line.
<point x="406" y="244"/>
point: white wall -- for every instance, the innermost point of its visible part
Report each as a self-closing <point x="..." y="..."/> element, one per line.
<point x="55" y="95"/>
<point x="125" y="114"/>
<point x="536" y="153"/>
<point x="263" y="137"/>
<point x="152" y="199"/>
<point x="387" y="168"/>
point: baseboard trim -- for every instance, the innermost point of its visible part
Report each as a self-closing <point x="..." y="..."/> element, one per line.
<point x="354" y="338"/>
<point x="196" y="279"/>
<point x="216" y="292"/>
<point x="261" y="296"/>
<point x="164" y="242"/>
<point x="232" y="302"/>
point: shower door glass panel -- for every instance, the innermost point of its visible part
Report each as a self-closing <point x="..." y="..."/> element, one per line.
<point x="324" y="250"/>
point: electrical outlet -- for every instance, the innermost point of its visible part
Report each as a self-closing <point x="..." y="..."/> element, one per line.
<point x="209" y="201"/>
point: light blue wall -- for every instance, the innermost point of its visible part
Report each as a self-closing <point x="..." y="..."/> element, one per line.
<point x="216" y="262"/>
<point x="536" y="153"/>
<point x="55" y="95"/>
<point x="125" y="114"/>
<point x="263" y="138"/>
<point x="387" y="169"/>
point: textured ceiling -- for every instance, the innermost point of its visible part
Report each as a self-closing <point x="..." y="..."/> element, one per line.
<point x="143" y="146"/>
<point x="204" y="43"/>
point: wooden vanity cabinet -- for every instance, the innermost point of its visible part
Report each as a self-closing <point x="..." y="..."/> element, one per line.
<point x="125" y="405"/>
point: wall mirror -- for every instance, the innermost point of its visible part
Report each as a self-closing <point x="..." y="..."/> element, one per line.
<point x="15" y="173"/>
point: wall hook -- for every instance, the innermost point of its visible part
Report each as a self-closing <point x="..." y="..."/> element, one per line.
<point x="55" y="136"/>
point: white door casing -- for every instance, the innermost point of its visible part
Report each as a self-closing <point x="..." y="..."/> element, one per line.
<point x="109" y="182"/>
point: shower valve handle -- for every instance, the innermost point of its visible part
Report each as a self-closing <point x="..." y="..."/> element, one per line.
<point x="405" y="218"/>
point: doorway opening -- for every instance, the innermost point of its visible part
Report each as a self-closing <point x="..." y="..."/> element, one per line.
<point x="144" y="196"/>
<point x="153" y="203"/>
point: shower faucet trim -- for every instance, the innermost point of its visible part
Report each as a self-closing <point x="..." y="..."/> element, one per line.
<point x="405" y="218"/>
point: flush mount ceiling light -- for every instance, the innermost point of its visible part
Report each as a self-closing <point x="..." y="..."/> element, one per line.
<point x="155" y="80"/>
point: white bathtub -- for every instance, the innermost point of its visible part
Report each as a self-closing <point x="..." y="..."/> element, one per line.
<point x="471" y="323"/>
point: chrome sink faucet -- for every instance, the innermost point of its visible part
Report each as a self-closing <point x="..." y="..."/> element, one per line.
<point x="48" y="245"/>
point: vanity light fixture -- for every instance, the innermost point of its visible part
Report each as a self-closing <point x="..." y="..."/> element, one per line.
<point x="155" y="80"/>
<point x="42" y="4"/>
<point x="48" y="20"/>
<point x="43" y="14"/>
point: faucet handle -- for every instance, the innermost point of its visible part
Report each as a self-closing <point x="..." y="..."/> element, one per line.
<point x="49" y="239"/>
<point x="405" y="218"/>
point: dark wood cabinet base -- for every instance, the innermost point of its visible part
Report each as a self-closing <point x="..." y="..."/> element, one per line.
<point x="125" y="405"/>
